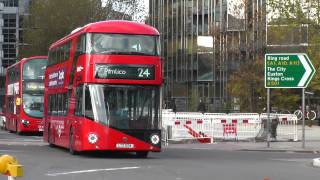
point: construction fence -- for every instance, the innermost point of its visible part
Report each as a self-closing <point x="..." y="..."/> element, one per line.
<point x="211" y="127"/>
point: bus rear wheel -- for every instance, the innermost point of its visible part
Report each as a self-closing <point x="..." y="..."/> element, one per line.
<point x="71" y="143"/>
<point x="50" y="141"/>
<point x="142" y="154"/>
<point x="18" y="131"/>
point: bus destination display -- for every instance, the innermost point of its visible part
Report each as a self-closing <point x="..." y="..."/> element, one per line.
<point x="138" y="72"/>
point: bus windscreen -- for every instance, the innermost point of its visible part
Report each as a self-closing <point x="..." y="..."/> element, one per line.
<point x="124" y="44"/>
<point x="123" y="107"/>
<point x="33" y="87"/>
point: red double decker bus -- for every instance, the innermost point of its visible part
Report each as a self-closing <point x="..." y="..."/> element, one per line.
<point x="104" y="92"/>
<point x="24" y="95"/>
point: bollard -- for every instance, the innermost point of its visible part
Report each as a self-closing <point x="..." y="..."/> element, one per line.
<point x="10" y="167"/>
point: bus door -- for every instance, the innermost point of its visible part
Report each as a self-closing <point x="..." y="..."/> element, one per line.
<point x="17" y="103"/>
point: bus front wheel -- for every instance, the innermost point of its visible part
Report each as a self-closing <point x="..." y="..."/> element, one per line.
<point x="50" y="141"/>
<point x="71" y="143"/>
<point x="18" y="131"/>
<point x="142" y="154"/>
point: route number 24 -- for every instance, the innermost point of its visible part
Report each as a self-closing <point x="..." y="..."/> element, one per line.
<point x="143" y="73"/>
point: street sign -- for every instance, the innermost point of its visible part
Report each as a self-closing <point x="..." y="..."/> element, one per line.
<point x="288" y="70"/>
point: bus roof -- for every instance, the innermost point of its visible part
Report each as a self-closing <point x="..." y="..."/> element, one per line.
<point x="111" y="26"/>
<point x="23" y="60"/>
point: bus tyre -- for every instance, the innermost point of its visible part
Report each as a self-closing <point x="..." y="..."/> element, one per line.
<point x="50" y="137"/>
<point x="71" y="143"/>
<point x="17" y="128"/>
<point x="142" y="154"/>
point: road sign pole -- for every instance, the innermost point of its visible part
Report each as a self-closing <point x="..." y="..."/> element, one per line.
<point x="288" y="71"/>
<point x="268" y="119"/>
<point x="303" y="117"/>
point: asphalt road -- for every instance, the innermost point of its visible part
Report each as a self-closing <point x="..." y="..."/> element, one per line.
<point x="43" y="162"/>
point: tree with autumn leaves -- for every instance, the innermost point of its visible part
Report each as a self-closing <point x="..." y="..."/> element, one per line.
<point x="301" y="20"/>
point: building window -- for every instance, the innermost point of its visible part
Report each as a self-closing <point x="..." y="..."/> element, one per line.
<point x="9" y="51"/>
<point x="9" y="35"/>
<point x="9" y="32"/>
<point x="10" y="3"/>
<point x="9" y="20"/>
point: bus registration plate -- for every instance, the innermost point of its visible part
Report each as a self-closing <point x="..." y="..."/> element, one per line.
<point x="121" y="145"/>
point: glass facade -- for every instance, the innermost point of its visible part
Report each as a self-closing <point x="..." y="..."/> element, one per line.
<point x="10" y="3"/>
<point x="11" y="19"/>
<point x="203" y="42"/>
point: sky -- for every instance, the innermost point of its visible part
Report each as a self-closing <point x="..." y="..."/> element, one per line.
<point x="145" y="3"/>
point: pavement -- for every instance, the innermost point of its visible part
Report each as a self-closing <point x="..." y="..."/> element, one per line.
<point x="311" y="145"/>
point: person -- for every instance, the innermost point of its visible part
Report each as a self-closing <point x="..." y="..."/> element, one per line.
<point x="201" y="107"/>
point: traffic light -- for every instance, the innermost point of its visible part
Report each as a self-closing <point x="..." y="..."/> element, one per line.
<point x="9" y="166"/>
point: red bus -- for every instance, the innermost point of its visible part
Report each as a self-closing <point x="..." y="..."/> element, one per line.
<point x="24" y="95"/>
<point x="102" y="89"/>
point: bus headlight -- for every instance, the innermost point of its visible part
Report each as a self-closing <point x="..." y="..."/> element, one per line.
<point x="25" y="122"/>
<point x="92" y="138"/>
<point x="155" y="139"/>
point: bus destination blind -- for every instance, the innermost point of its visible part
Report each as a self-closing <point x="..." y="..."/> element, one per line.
<point x="136" y="72"/>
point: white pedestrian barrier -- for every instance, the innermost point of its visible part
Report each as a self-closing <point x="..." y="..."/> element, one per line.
<point x="208" y="127"/>
<point x="287" y="128"/>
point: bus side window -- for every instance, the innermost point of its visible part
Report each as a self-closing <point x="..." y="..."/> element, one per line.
<point x="67" y="50"/>
<point x="80" y="49"/>
<point x="54" y="105"/>
<point x="65" y="104"/>
<point x="49" y="105"/>
<point x="59" y="108"/>
<point x="54" y="56"/>
<point x="81" y="45"/>
<point x="78" y="95"/>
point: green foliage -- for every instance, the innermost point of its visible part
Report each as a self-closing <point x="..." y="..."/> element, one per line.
<point x="289" y="19"/>
<point x="246" y="84"/>
<point x="314" y="54"/>
<point x="300" y="15"/>
<point x="285" y="99"/>
<point x="194" y="99"/>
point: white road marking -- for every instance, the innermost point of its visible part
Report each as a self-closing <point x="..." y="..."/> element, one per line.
<point x="316" y="162"/>
<point x="292" y="160"/>
<point x="90" y="171"/>
<point x="22" y="140"/>
<point x="5" y="150"/>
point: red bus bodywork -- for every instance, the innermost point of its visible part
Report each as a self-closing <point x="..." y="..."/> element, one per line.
<point x="22" y="113"/>
<point x="78" y="132"/>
